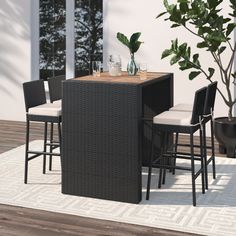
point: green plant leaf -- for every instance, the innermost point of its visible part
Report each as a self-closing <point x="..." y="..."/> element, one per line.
<point x="167" y="6"/>
<point x="195" y="60"/>
<point x="216" y="36"/>
<point x="182" y="48"/>
<point x="161" y="14"/>
<point x="134" y="47"/>
<point x="176" y="15"/>
<point x="188" y="53"/>
<point x="134" y="37"/>
<point x="183" y="1"/>
<point x="123" y="39"/>
<point x="195" y="57"/>
<point x="182" y="63"/>
<point x="174" y="45"/>
<point x="134" y="44"/>
<point x="203" y="44"/>
<point x="211" y="72"/>
<point x="194" y="74"/>
<point x="214" y="3"/>
<point x="183" y="6"/>
<point x="174" y="60"/>
<point x="230" y="28"/>
<point x="221" y="50"/>
<point x="204" y="30"/>
<point x="166" y="53"/>
<point x="175" y="25"/>
<point x="185" y="65"/>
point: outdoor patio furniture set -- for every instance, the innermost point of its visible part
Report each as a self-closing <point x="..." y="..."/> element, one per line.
<point x="109" y="132"/>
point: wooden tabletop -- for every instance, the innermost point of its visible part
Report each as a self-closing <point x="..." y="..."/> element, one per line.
<point x="124" y="78"/>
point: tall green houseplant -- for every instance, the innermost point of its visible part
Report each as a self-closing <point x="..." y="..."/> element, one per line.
<point x="204" y="19"/>
<point x="133" y="45"/>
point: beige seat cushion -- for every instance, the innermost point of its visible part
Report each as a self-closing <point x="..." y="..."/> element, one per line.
<point x="173" y="118"/>
<point x="47" y="109"/>
<point x="182" y="107"/>
<point x="57" y="103"/>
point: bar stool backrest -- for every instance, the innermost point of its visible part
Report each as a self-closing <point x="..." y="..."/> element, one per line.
<point x="34" y="93"/>
<point x="55" y="87"/>
<point x="210" y="98"/>
<point x="198" y="105"/>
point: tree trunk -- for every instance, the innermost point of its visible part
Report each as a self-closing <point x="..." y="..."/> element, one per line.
<point x="230" y="114"/>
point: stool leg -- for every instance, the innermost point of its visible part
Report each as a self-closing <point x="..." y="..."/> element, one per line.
<point x="170" y="162"/>
<point x="213" y="150"/>
<point x="165" y="146"/>
<point x="161" y="158"/>
<point x="45" y="146"/>
<point x="150" y="165"/>
<point x="59" y="137"/>
<point x="160" y="175"/>
<point x="176" y="148"/>
<point x="26" y="151"/>
<point x="202" y="160"/>
<point x="193" y="170"/>
<point x="51" y="148"/>
<point x="205" y="155"/>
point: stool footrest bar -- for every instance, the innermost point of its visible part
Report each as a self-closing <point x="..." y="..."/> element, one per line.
<point x="188" y="145"/>
<point x="43" y="153"/>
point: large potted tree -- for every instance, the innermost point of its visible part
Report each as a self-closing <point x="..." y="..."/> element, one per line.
<point x="204" y="19"/>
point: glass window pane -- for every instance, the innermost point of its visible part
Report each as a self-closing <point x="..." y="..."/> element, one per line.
<point x="88" y="34"/>
<point x="52" y="37"/>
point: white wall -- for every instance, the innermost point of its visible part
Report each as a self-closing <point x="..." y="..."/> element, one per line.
<point x="15" y="57"/>
<point x="128" y="16"/>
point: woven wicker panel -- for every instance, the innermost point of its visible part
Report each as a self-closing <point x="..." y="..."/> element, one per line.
<point x="104" y="164"/>
<point x="101" y="139"/>
<point x="104" y="138"/>
<point x="156" y="98"/>
<point x="121" y="189"/>
<point x="94" y="124"/>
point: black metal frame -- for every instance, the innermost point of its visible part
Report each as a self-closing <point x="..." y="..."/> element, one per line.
<point x="55" y="93"/>
<point x="207" y="116"/>
<point x="34" y="93"/>
<point x="161" y="161"/>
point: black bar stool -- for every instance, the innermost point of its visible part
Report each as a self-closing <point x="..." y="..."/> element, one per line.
<point x="55" y="96"/>
<point x="39" y="111"/>
<point x="179" y="122"/>
<point x="208" y="115"/>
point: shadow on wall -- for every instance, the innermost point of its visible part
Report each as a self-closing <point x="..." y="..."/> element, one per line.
<point x="14" y="29"/>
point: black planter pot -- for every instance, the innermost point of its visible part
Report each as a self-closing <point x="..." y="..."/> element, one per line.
<point x="225" y="133"/>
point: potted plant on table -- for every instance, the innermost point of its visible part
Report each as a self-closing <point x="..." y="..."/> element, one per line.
<point x="133" y="45"/>
<point x="204" y="19"/>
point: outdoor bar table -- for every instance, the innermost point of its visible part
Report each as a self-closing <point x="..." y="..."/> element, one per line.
<point x="105" y="141"/>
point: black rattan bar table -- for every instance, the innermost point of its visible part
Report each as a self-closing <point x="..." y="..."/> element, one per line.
<point x="105" y="140"/>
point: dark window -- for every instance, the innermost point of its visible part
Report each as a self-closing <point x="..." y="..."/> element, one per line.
<point x="52" y="38"/>
<point x="88" y="34"/>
